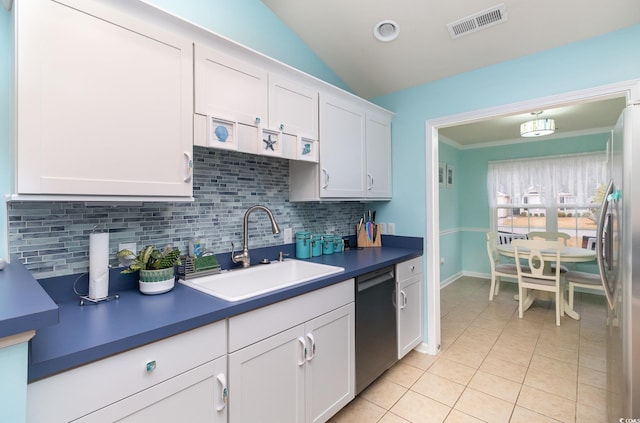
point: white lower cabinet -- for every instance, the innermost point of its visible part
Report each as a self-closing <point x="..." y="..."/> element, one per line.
<point x="409" y="301"/>
<point x="181" y="378"/>
<point x="303" y="373"/>
<point x="198" y="395"/>
<point x="292" y="361"/>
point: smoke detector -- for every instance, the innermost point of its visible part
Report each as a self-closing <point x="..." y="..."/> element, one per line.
<point x="478" y="21"/>
<point x="386" y="30"/>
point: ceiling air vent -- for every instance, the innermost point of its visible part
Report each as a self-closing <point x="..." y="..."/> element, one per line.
<point x="478" y="21"/>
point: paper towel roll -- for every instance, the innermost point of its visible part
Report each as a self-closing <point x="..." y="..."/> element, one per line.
<point x="98" y="265"/>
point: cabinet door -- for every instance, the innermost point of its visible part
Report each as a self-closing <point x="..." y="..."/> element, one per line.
<point x="342" y="148"/>
<point x="195" y="396"/>
<point x="104" y="102"/>
<point x="409" y="317"/>
<point x="229" y="88"/>
<point x="293" y="108"/>
<point x="266" y="379"/>
<point x="378" y="155"/>
<point x="330" y="372"/>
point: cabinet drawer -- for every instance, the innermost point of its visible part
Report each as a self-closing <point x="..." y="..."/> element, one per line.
<point x="75" y="393"/>
<point x="409" y="268"/>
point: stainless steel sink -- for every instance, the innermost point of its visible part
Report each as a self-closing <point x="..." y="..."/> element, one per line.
<point x="241" y="284"/>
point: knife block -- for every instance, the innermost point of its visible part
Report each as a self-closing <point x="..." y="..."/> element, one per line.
<point x="364" y="241"/>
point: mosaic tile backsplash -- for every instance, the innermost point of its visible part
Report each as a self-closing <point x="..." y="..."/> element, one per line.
<point x="52" y="238"/>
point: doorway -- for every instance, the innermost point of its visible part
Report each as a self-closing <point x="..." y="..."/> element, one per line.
<point x="627" y="89"/>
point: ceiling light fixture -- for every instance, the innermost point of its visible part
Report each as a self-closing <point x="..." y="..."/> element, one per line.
<point x="386" y="30"/>
<point x="537" y="127"/>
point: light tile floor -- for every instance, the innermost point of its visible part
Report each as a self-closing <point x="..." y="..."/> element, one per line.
<point x="495" y="367"/>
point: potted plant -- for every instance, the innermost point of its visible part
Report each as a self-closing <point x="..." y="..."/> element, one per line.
<point x="156" y="268"/>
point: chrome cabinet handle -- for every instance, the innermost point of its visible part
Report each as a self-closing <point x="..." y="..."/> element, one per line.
<point x="189" y="168"/>
<point x="326" y="178"/>
<point x="224" y="393"/>
<point x="311" y="351"/>
<point x="303" y="346"/>
<point x="404" y="300"/>
<point x="370" y="176"/>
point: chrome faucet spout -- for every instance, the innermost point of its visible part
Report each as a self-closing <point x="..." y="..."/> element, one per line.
<point x="244" y="257"/>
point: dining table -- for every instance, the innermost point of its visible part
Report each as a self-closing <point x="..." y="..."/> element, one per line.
<point x="567" y="255"/>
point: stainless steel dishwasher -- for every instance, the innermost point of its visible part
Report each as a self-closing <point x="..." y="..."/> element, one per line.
<point x="376" y="333"/>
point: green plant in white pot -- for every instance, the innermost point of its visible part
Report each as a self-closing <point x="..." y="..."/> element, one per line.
<point x="156" y="268"/>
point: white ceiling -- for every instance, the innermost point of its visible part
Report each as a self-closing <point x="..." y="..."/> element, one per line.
<point x="571" y="120"/>
<point x="341" y="34"/>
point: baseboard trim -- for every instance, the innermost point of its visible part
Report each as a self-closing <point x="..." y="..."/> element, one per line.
<point x="451" y="279"/>
<point x="426" y="348"/>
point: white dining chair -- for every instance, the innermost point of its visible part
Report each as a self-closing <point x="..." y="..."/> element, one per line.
<point x="585" y="280"/>
<point x="539" y="275"/>
<point x="498" y="269"/>
<point x="552" y="236"/>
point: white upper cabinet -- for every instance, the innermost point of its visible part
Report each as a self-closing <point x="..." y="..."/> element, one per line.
<point x="355" y="154"/>
<point x="230" y="102"/>
<point x="229" y="88"/>
<point x="342" y="149"/>
<point x="241" y="106"/>
<point x="293" y="107"/>
<point x="104" y="102"/>
<point x="378" y="155"/>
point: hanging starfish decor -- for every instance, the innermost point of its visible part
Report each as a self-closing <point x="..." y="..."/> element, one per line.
<point x="269" y="143"/>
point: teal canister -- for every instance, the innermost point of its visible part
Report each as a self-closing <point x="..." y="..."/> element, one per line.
<point x="303" y="245"/>
<point x="316" y="245"/>
<point x="327" y="244"/>
<point x="338" y="244"/>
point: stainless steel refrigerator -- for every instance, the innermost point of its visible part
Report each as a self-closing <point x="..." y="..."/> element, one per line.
<point x="618" y="249"/>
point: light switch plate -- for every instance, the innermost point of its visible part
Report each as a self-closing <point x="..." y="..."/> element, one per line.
<point x="288" y="235"/>
<point x="391" y="228"/>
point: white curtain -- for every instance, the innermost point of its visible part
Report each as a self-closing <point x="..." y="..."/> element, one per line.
<point x="547" y="181"/>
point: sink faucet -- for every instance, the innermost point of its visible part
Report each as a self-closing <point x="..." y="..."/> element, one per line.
<point x="244" y="256"/>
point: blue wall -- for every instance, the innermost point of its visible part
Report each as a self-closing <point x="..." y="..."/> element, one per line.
<point x="13" y="387"/>
<point x="450" y="213"/>
<point x="475" y="213"/>
<point x="586" y="64"/>
<point x="594" y="62"/>
<point x="464" y="207"/>
<point x="251" y="23"/>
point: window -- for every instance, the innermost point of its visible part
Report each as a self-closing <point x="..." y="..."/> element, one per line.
<point x="561" y="193"/>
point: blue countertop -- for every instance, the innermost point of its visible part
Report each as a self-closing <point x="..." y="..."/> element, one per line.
<point x="91" y="332"/>
<point x="24" y="305"/>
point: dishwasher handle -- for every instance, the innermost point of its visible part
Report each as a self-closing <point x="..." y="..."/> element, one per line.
<point x="366" y="283"/>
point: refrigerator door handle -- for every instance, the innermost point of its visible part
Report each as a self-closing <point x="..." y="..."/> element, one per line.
<point x="600" y="233"/>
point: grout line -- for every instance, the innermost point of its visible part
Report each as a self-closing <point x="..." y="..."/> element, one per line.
<point x="475" y="292"/>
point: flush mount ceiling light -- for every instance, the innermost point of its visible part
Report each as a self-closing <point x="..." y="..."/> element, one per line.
<point x="386" y="30"/>
<point x="537" y="127"/>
